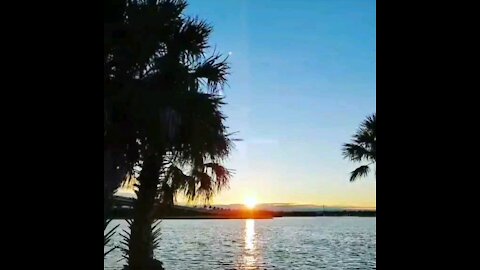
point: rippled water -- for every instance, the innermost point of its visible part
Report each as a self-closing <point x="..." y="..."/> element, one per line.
<point x="281" y="243"/>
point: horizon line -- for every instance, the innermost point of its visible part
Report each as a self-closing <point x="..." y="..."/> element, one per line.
<point x="279" y="204"/>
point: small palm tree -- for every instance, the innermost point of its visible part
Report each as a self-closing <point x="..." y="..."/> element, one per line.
<point x="363" y="147"/>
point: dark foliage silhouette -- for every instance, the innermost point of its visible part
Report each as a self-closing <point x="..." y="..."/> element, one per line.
<point x="363" y="147"/>
<point x="107" y="237"/>
<point x="163" y="123"/>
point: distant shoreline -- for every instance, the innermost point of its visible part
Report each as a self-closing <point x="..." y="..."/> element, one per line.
<point x="182" y="214"/>
<point x="203" y="217"/>
<point x="123" y="209"/>
<point x="207" y="217"/>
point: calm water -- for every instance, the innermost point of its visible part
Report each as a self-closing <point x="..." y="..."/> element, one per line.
<point x="283" y="243"/>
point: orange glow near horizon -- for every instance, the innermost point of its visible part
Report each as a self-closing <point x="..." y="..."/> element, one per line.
<point x="360" y="194"/>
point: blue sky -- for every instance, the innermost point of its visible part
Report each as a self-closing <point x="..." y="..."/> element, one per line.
<point x="303" y="79"/>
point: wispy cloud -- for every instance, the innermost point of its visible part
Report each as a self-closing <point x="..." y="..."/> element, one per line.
<point x="262" y="141"/>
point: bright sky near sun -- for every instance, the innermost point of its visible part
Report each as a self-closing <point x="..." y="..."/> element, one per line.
<point x="303" y="79"/>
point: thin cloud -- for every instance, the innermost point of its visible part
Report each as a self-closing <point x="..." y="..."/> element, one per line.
<point x="263" y="141"/>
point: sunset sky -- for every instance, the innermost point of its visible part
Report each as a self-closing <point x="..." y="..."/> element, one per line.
<point x="303" y="79"/>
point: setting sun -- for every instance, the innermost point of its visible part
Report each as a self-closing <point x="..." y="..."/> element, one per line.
<point x="250" y="202"/>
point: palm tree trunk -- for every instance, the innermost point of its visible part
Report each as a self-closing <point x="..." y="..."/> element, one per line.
<point x="140" y="246"/>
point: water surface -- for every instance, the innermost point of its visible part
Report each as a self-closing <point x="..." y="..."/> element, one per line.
<point x="281" y="243"/>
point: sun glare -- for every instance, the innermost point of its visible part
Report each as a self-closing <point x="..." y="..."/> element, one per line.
<point x="250" y="202"/>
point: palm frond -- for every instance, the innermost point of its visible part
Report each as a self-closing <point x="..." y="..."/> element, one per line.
<point x="125" y="242"/>
<point x="192" y="37"/>
<point x="155" y="234"/>
<point x="205" y="184"/>
<point x="202" y="132"/>
<point x="363" y="145"/>
<point x="213" y="71"/>
<point x="107" y="237"/>
<point x="356" y="152"/>
<point x="222" y="175"/>
<point x="152" y="242"/>
<point x="370" y="123"/>
<point x="359" y="172"/>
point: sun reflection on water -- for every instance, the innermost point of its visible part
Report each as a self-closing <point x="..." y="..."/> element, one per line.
<point x="249" y="256"/>
<point x="249" y="234"/>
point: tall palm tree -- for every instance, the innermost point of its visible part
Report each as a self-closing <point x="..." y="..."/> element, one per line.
<point x="363" y="147"/>
<point x="192" y="138"/>
<point x="167" y="110"/>
<point x="128" y="45"/>
<point x="127" y="48"/>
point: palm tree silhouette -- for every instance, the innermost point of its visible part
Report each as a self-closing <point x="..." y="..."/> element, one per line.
<point x="362" y="147"/>
<point x="163" y="114"/>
